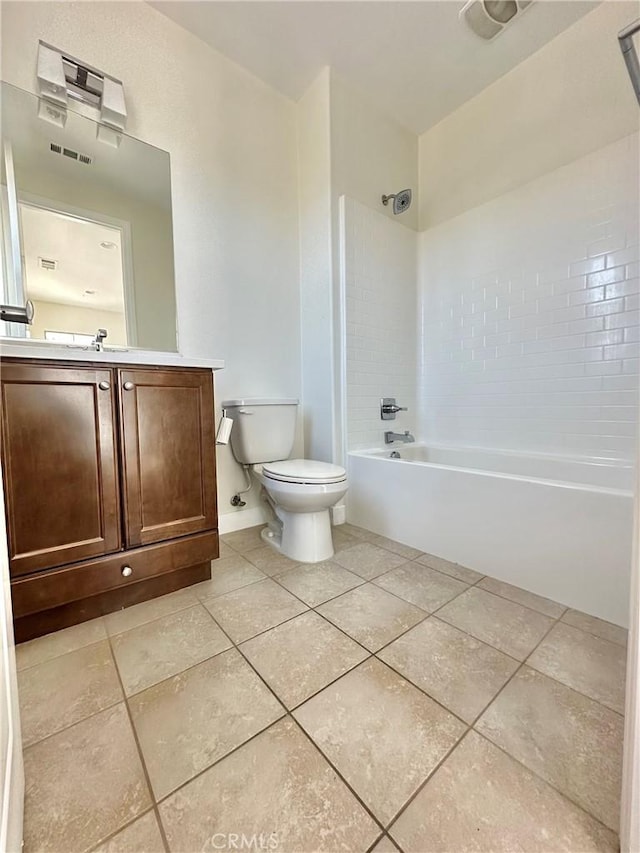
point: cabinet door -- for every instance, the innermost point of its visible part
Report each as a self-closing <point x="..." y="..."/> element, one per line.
<point x="168" y="446"/>
<point x="61" y="481"/>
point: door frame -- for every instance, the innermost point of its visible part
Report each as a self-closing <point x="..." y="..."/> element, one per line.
<point x="11" y="761"/>
<point x="630" y="799"/>
<point x="122" y="225"/>
<point x="12" y="271"/>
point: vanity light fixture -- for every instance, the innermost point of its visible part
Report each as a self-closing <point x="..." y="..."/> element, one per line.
<point x="52" y="84"/>
<point x="61" y="77"/>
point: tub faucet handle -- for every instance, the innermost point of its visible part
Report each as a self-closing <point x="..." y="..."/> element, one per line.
<point x="389" y="409"/>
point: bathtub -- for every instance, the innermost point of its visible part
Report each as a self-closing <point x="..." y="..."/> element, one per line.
<point x="559" y="527"/>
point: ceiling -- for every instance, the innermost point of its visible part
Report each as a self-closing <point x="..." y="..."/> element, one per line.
<point x="82" y="263"/>
<point x="415" y="60"/>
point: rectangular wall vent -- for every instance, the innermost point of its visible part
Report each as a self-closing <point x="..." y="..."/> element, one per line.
<point x="70" y="153"/>
<point x="47" y="263"/>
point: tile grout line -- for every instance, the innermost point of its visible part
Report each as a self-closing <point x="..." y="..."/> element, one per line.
<point x="287" y="715"/>
<point x="337" y="627"/>
<point x="546" y="782"/>
<point x="57" y="657"/>
<point x="517" y="670"/>
<point x="155" y="618"/>
<point x="471" y="728"/>
<point x="129" y="823"/>
<point x="140" y="753"/>
<point x="533" y="772"/>
<point x="424" y="783"/>
<point x="28" y="746"/>
<point x="453" y="577"/>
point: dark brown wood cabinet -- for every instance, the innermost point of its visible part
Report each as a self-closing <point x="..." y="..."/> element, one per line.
<point x="110" y="486"/>
<point x="167" y="433"/>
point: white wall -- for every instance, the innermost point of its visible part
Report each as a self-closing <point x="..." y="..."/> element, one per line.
<point x="531" y="314"/>
<point x="371" y="154"/>
<point x="57" y="317"/>
<point x="571" y="97"/>
<point x="380" y="310"/>
<point x="316" y="274"/>
<point x="345" y="147"/>
<point x="232" y="142"/>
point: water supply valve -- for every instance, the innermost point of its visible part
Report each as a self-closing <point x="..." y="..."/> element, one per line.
<point x="389" y="409"/>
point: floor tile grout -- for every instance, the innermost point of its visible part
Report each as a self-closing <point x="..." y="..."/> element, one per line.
<point x="513" y="675"/>
<point x="288" y="713"/>
<point x="28" y="746"/>
<point x="369" y="652"/>
<point x="140" y="752"/>
<point x="495" y="698"/>
<point x="469" y="585"/>
<point x="62" y="654"/>
<point x="112" y="835"/>
<point x="426" y="781"/>
<point x="57" y="657"/>
<point x="549" y="784"/>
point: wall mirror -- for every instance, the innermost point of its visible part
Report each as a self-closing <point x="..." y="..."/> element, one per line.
<point x="86" y="229"/>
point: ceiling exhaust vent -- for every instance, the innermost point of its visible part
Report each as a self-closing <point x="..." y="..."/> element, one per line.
<point x="488" y="18"/>
<point x="70" y="153"/>
<point x="47" y="264"/>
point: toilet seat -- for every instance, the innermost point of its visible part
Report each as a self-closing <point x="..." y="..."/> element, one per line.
<point x="305" y="471"/>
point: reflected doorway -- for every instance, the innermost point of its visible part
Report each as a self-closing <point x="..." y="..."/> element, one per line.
<point x="77" y="273"/>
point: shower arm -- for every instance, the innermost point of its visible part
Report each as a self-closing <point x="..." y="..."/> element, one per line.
<point x="625" y="39"/>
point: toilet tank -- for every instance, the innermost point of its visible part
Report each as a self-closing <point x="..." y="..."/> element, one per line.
<point x="263" y="430"/>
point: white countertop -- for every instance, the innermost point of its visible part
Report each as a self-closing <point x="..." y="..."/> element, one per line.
<point x="23" y="348"/>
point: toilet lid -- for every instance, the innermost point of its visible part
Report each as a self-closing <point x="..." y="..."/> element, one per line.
<point x="304" y="471"/>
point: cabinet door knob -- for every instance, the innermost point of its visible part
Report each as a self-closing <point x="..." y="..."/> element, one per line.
<point x="104" y="386"/>
<point x="127" y="571"/>
<point x="128" y="386"/>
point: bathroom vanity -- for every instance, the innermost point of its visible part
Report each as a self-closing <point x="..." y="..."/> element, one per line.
<point x="110" y="482"/>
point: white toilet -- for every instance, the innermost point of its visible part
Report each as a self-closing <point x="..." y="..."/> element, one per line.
<point x="299" y="492"/>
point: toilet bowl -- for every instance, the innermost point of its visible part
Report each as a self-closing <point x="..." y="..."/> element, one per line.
<point x="302" y="491"/>
<point x="297" y="493"/>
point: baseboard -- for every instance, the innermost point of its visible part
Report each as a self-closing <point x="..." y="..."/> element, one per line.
<point x="229" y="522"/>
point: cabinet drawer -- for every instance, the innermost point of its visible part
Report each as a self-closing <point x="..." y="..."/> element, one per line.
<point x="57" y="587"/>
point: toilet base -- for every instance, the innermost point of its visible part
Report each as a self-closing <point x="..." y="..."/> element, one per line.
<point x="305" y="537"/>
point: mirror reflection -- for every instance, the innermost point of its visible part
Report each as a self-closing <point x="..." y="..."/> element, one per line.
<point x="87" y="230"/>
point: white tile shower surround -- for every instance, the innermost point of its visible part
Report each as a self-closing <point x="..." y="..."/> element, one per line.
<point x="384" y="700"/>
<point x="379" y="280"/>
<point x="531" y="314"/>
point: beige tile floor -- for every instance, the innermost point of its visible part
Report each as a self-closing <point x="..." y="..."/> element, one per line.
<point x="385" y="700"/>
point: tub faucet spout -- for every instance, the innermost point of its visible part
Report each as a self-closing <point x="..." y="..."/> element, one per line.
<point x="405" y="437"/>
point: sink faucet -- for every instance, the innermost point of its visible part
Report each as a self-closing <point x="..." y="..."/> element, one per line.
<point x="98" y="341"/>
<point x="405" y="437"/>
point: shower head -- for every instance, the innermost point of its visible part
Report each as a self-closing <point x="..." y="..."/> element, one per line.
<point x="401" y="201"/>
<point x="625" y="39"/>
